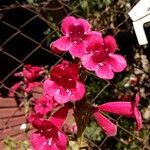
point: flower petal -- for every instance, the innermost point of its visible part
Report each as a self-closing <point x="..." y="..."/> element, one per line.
<point x="78" y="92"/>
<point x="118" y="63"/>
<point x="85" y="24"/>
<point x="88" y="63"/>
<point x="104" y="71"/>
<point x="14" y="88"/>
<point x="119" y="108"/>
<point x="78" y="49"/>
<point x="110" y="43"/>
<point x="123" y="108"/>
<point x="50" y="88"/>
<point x="38" y="140"/>
<point x="67" y="23"/>
<point x="59" y="117"/>
<point x="109" y="128"/>
<point x="62" y="96"/>
<point x="62" y="44"/>
<point x="94" y="41"/>
<point x="43" y="105"/>
<point x="31" y="86"/>
<point x="62" y="141"/>
<point x="38" y="122"/>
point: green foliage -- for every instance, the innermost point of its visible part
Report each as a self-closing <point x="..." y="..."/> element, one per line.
<point x="93" y="132"/>
<point x="11" y="144"/>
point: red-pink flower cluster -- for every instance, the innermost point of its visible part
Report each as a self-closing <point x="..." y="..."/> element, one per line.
<point x="29" y="74"/>
<point x="128" y="109"/>
<point x="96" y="53"/>
<point x="49" y="135"/>
<point x="64" y="86"/>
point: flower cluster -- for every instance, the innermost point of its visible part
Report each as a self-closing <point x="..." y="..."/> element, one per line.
<point x="96" y="53"/>
<point x="64" y="88"/>
<point x="64" y="84"/>
<point x="29" y="74"/>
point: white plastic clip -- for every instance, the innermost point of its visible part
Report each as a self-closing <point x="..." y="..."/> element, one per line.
<point x="140" y="14"/>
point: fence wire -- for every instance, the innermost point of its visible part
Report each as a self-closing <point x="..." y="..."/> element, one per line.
<point x="22" y="27"/>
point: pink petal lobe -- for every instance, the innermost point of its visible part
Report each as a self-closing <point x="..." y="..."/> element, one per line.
<point x="78" y="49"/>
<point x="85" y="24"/>
<point x="78" y="92"/>
<point x="67" y="23"/>
<point x="109" y="128"/>
<point x="94" y="41"/>
<point x="37" y="141"/>
<point x="31" y="86"/>
<point x="104" y="71"/>
<point x="50" y="88"/>
<point x="62" y="96"/>
<point x="62" y="44"/>
<point x="59" y="117"/>
<point x="62" y="141"/>
<point x="14" y="88"/>
<point x="110" y="43"/>
<point x="43" y="105"/>
<point x="118" y="63"/>
<point x="88" y="63"/>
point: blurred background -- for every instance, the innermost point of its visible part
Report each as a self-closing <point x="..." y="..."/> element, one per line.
<point x="28" y="27"/>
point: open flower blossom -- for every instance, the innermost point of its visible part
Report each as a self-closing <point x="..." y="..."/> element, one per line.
<point x="77" y="33"/>
<point x="64" y="84"/>
<point x="49" y="135"/>
<point x="101" y="58"/>
<point x="30" y="74"/>
<point x="14" y="88"/>
<point x="51" y="139"/>
<point x="128" y="109"/>
<point x="44" y="105"/>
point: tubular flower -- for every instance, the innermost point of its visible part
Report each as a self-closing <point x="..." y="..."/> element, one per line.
<point x="101" y="58"/>
<point x="77" y="33"/>
<point x="31" y="86"/>
<point x="44" y="105"/>
<point x="127" y="109"/>
<point x="49" y="135"/>
<point x="30" y="72"/>
<point x="14" y="88"/>
<point x="64" y="84"/>
<point x="109" y="128"/>
<point x="52" y="139"/>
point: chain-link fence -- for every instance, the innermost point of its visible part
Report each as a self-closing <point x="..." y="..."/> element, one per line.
<point x="26" y="31"/>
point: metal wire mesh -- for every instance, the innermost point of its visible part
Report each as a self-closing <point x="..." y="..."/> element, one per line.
<point x="22" y="41"/>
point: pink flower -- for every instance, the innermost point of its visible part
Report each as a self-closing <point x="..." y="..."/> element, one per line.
<point x="64" y="84"/>
<point x="127" y="109"/>
<point x="76" y="36"/>
<point x="30" y="72"/>
<point x="31" y="85"/>
<point x="14" y="88"/>
<point x="52" y="139"/>
<point x="109" y="128"/>
<point x="49" y="135"/>
<point x="44" y="105"/>
<point x="102" y="59"/>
